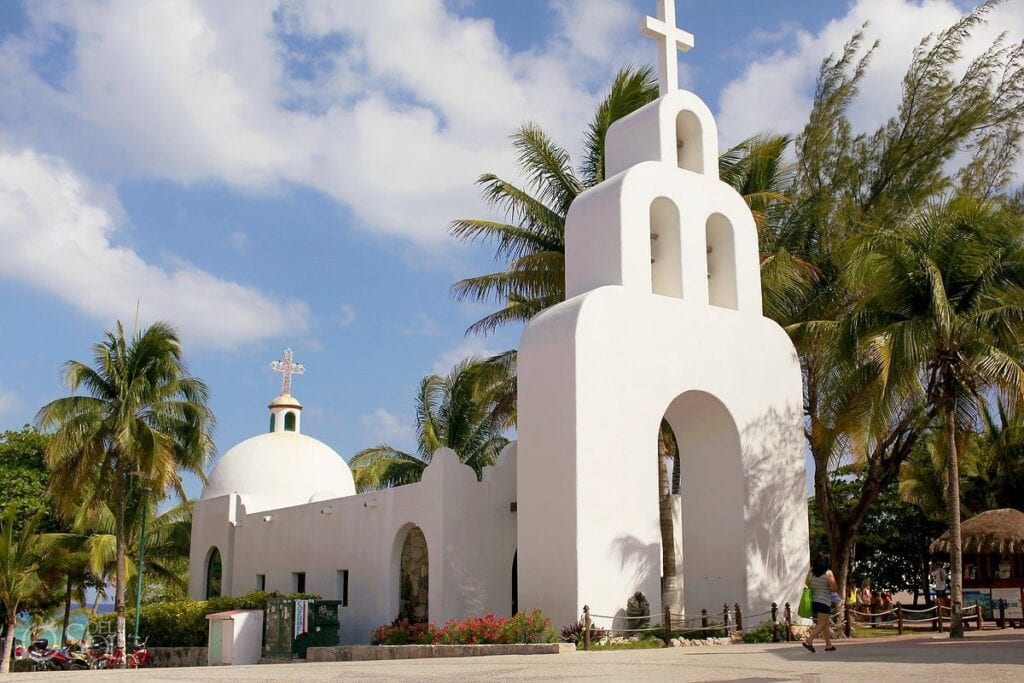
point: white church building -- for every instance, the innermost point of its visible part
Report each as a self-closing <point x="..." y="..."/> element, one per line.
<point x="662" y="320"/>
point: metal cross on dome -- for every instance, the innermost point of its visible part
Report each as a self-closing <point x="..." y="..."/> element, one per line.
<point x="670" y="39"/>
<point x="287" y="367"/>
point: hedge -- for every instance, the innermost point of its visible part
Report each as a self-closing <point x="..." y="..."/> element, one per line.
<point x="182" y="623"/>
<point x="521" y="628"/>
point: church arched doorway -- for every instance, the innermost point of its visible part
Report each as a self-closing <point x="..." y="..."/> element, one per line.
<point x="413" y="577"/>
<point x="711" y="489"/>
<point x="214" y="572"/>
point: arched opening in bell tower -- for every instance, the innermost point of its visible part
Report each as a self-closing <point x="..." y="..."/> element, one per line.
<point x="689" y="142"/>
<point x="711" y="494"/>
<point x="666" y="249"/>
<point x="721" y="262"/>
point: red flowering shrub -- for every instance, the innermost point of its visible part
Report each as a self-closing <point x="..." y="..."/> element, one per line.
<point x="401" y="632"/>
<point x="522" y="628"/>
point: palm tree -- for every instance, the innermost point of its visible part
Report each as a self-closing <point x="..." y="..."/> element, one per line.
<point x="144" y="420"/>
<point x="456" y="411"/>
<point x="27" y="559"/>
<point x="532" y="242"/>
<point x="944" y="307"/>
<point x="167" y="535"/>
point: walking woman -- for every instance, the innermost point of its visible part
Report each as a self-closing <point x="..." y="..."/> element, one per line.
<point x="822" y="584"/>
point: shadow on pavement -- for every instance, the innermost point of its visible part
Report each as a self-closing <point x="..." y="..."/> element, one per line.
<point x="991" y="647"/>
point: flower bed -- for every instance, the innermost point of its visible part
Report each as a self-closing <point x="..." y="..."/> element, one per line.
<point x="487" y="630"/>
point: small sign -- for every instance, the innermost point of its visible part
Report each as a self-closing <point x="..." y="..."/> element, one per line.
<point x="1013" y="598"/>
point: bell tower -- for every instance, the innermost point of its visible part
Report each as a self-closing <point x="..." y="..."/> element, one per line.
<point x="663" y="320"/>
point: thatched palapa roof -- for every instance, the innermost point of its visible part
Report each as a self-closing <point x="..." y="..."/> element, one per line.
<point x="995" y="531"/>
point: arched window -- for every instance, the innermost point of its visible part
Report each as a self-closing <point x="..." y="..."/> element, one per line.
<point x="666" y="249"/>
<point x="272" y="421"/>
<point x="721" y="262"/>
<point x="689" y="142"/>
<point x="289" y="421"/>
<point x="214" y="570"/>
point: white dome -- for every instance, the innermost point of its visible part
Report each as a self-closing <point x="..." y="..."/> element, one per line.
<point x="281" y="465"/>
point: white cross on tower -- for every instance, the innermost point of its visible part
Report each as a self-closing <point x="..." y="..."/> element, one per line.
<point x="287" y="367"/>
<point x="670" y="39"/>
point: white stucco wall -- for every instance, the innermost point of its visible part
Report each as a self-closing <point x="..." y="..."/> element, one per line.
<point x="468" y="525"/>
<point x="598" y="372"/>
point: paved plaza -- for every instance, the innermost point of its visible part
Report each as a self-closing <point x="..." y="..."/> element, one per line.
<point x="991" y="656"/>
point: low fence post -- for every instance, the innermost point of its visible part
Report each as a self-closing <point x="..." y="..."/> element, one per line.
<point x="739" y="617"/>
<point x="847" y="625"/>
<point x="703" y="618"/>
<point x="899" y="618"/>
<point x="788" y="616"/>
<point x="666" y="622"/>
<point x="586" y="627"/>
<point x="938" y="615"/>
<point x="725" y="619"/>
<point x="977" y="615"/>
<point x="775" y="622"/>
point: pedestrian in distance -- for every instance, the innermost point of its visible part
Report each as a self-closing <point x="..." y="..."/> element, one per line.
<point x="822" y="583"/>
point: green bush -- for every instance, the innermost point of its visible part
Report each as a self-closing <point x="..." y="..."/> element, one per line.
<point x="182" y="623"/>
<point x="762" y="633"/>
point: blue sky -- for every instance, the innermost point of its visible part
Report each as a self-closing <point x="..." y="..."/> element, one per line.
<point x="281" y="174"/>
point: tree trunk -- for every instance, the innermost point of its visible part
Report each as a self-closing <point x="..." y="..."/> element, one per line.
<point x="11" y="622"/>
<point x="119" y="582"/>
<point x="67" y="614"/>
<point x="671" y="594"/>
<point x="956" y="574"/>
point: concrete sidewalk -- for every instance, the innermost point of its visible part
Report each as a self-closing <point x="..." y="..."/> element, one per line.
<point x="989" y="656"/>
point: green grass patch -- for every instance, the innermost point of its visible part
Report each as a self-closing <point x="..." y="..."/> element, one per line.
<point x="861" y="632"/>
<point x="642" y="644"/>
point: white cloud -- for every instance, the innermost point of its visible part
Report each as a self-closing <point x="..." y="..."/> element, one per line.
<point x="422" y="325"/>
<point x="470" y="346"/>
<point x="395" y="117"/>
<point x="774" y="93"/>
<point x="239" y="240"/>
<point x="382" y="426"/>
<point x="346" y="315"/>
<point x="58" y="235"/>
<point x="8" y="399"/>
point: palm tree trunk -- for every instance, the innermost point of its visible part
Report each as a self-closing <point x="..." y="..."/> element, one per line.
<point x="67" y="614"/>
<point x="671" y="595"/>
<point x="11" y="622"/>
<point x="119" y="580"/>
<point x="956" y="592"/>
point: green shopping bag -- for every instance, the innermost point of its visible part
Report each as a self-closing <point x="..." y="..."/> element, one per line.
<point x="804" y="610"/>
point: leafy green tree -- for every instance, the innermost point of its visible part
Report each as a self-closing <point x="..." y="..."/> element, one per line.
<point x="142" y="421"/>
<point x="27" y="560"/>
<point x="456" y="411"/>
<point x="24" y="477"/>
<point x="944" y="314"/>
<point x="850" y="184"/>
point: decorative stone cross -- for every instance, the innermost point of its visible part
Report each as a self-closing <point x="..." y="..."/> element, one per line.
<point x="670" y="39"/>
<point x="287" y="367"/>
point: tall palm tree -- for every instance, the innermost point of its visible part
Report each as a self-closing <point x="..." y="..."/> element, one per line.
<point x="944" y="307"/>
<point x="456" y="411"/>
<point x="143" y="420"/>
<point x="27" y="559"/>
<point x="167" y="536"/>
<point x="532" y="241"/>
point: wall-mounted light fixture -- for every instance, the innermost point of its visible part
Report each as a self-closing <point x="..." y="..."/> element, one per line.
<point x="268" y="518"/>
